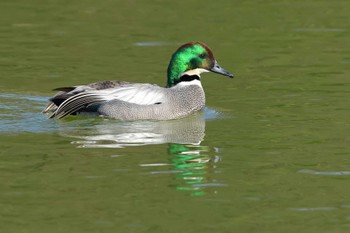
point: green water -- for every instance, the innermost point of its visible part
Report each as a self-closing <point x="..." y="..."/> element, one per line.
<point x="269" y="154"/>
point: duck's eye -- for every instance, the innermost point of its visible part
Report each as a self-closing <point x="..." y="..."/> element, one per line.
<point x="203" y="55"/>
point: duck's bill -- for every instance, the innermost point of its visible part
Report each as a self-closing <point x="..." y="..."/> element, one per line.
<point x="219" y="70"/>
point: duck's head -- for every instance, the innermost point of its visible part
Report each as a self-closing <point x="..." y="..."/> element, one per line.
<point x="192" y="59"/>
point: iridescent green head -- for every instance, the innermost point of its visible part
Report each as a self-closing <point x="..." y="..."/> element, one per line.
<point x="195" y="56"/>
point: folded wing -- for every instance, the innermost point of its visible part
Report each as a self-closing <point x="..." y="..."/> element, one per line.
<point x="70" y="100"/>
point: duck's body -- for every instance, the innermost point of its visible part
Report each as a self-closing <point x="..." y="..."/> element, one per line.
<point x="140" y="101"/>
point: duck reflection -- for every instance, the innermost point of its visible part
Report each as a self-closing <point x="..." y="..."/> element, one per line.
<point x="191" y="163"/>
<point x="194" y="166"/>
<point x="112" y="134"/>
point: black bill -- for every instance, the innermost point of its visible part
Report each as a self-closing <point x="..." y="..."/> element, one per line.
<point x="218" y="69"/>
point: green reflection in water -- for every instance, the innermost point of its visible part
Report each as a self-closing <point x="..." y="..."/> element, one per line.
<point x="194" y="161"/>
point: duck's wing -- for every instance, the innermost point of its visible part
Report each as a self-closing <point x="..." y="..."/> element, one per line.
<point x="81" y="97"/>
<point x="66" y="92"/>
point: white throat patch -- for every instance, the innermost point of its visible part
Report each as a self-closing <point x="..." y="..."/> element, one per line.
<point x="197" y="72"/>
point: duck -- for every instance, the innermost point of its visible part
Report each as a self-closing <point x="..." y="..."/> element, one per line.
<point x="183" y="94"/>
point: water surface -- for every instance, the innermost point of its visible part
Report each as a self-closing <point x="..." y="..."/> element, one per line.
<point x="270" y="153"/>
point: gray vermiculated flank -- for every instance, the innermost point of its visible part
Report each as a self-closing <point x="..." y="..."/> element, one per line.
<point x="178" y="103"/>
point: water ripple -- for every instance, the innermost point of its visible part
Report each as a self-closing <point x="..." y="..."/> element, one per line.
<point x="326" y="173"/>
<point x="323" y="208"/>
<point x="152" y="43"/>
<point x="320" y="30"/>
<point x="22" y="113"/>
<point x="313" y="209"/>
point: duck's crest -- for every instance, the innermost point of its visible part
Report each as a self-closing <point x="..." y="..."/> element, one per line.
<point x="189" y="44"/>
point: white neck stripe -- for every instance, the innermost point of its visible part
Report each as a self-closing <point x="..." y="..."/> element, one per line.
<point x="197" y="72"/>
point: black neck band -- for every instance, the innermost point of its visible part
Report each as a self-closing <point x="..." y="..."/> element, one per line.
<point x="187" y="78"/>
